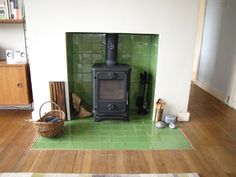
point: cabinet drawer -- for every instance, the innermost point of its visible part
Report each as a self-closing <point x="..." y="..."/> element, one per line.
<point x="15" y="88"/>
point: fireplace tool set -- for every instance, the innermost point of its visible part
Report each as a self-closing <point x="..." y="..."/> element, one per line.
<point x="143" y="100"/>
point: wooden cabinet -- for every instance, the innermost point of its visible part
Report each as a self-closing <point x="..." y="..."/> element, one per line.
<point x="15" y="86"/>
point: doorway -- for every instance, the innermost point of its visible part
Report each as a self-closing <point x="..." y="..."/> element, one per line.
<point x="214" y="68"/>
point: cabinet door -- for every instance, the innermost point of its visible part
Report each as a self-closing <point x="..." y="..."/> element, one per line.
<point x="14" y="87"/>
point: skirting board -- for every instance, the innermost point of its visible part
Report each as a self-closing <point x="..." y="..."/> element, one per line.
<point x="213" y="91"/>
<point x="234" y="105"/>
<point x="17" y="107"/>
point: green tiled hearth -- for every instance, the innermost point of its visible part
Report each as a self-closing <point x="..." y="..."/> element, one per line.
<point x="137" y="134"/>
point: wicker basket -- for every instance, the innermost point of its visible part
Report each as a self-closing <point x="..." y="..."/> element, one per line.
<point x="50" y="129"/>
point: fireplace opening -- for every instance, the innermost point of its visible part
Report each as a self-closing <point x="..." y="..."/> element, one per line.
<point x="139" y="51"/>
<point x="111" y="85"/>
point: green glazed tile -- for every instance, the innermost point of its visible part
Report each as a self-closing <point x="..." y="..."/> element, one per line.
<point x="87" y="68"/>
<point x="87" y="48"/>
<point x="125" y="38"/>
<point x="118" y="146"/>
<point x="129" y="128"/>
<point x="170" y="145"/>
<point x="78" y="145"/>
<point x="156" y="138"/>
<point x="126" y="58"/>
<point x="141" y="38"/>
<point x="87" y="38"/>
<point x="75" y="49"/>
<point x="179" y="137"/>
<point x="154" y="39"/>
<point x="183" y="145"/>
<point x="98" y="38"/>
<point x="60" y="145"/>
<point x="105" y="127"/>
<point x="129" y="133"/>
<point x="92" y="139"/>
<point x="80" y="48"/>
<point x="87" y="58"/>
<point x="92" y="132"/>
<point x="74" y="39"/>
<point x="79" y="77"/>
<point x="80" y="68"/>
<point x="91" y="145"/>
<point x="140" y="133"/>
<point x="143" y="139"/>
<point x="80" y="58"/>
<point x="158" y="145"/>
<point x="130" y="139"/>
<point x="126" y="47"/>
<point x="168" y="138"/>
<point x="140" y="127"/>
<point x="76" y="57"/>
<point x="66" y="139"/>
<point x="77" y="39"/>
<point x="103" y="133"/>
<point x="117" y="133"/>
<point x="132" y="146"/>
<point x="80" y="139"/>
<point x="87" y="78"/>
<point x="162" y="131"/>
<point x="98" y="58"/>
<point x="106" y="139"/>
<point x="145" y="145"/>
<point x="105" y="146"/>
<point x="117" y="128"/>
<point x="98" y="48"/>
<point x="118" y="139"/>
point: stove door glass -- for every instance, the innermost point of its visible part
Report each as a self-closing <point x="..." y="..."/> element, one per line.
<point x="111" y="89"/>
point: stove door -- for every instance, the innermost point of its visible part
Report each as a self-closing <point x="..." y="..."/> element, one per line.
<point x="111" y="86"/>
<point x="111" y="92"/>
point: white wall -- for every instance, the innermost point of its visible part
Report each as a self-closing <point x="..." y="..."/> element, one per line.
<point x="175" y="21"/>
<point x="11" y="37"/>
<point x="218" y="48"/>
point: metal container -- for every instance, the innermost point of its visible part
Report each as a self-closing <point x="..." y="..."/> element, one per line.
<point x="170" y="119"/>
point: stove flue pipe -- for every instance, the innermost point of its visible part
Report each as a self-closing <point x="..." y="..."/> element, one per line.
<point x="111" y="48"/>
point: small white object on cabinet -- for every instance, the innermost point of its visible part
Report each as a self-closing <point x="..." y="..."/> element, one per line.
<point x="15" y="56"/>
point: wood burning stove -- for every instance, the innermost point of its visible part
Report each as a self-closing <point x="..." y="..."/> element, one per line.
<point x="111" y="85"/>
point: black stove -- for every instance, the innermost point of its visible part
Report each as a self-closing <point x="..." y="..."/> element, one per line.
<point x="111" y="85"/>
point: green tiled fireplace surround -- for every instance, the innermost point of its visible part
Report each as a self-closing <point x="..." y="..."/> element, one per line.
<point x="137" y="134"/>
<point x="85" y="49"/>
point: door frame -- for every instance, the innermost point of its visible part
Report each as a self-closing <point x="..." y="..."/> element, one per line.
<point x="232" y="97"/>
<point x="199" y="37"/>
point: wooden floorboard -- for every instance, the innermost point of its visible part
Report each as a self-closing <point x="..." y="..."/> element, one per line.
<point x="211" y="130"/>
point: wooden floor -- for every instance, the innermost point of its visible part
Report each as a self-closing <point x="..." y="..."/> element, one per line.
<point x="212" y="132"/>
